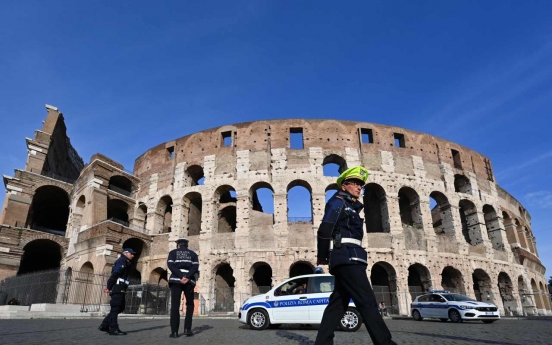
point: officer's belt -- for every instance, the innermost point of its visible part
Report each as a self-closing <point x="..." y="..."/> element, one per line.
<point x="348" y="240"/>
<point x="121" y="280"/>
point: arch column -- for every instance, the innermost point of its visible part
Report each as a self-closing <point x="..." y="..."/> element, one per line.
<point x="177" y="228"/>
<point x="242" y="220"/>
<point x="427" y="221"/>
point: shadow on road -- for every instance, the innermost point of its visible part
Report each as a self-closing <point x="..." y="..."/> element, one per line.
<point x="452" y="337"/>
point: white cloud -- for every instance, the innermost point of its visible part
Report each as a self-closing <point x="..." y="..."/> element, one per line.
<point x="541" y="199"/>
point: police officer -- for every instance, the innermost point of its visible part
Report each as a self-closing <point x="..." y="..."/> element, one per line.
<point x="116" y="287"/>
<point x="339" y="246"/>
<point x="184" y="266"/>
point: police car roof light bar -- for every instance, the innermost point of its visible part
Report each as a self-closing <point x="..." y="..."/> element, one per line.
<point x="439" y="291"/>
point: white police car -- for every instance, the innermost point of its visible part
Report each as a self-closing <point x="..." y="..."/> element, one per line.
<point x="298" y="300"/>
<point x="441" y="304"/>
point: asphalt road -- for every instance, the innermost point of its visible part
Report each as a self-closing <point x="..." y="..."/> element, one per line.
<point x="228" y="331"/>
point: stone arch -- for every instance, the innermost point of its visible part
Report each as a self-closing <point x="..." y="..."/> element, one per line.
<point x="300" y="268"/>
<point x="81" y="205"/>
<point x="441" y="214"/>
<point x="506" y="289"/>
<point x="40" y="255"/>
<point x="163" y="214"/>
<point x="226" y="201"/>
<point x="384" y="283"/>
<point x="261" y="278"/>
<point x="521" y="234"/>
<point x="545" y="296"/>
<point x="192" y="210"/>
<point x="482" y="286"/>
<point x="87" y="268"/>
<point x="117" y="211"/>
<point x="254" y="201"/>
<point x="49" y="210"/>
<point x="419" y="280"/>
<point x="510" y="228"/>
<point x="224" y="287"/>
<point x="470" y="222"/>
<point x="120" y="184"/>
<point x="376" y="212"/>
<point x="493" y="227"/>
<point x="462" y="184"/>
<point x="301" y="218"/>
<point x="536" y="294"/>
<point x="159" y="276"/>
<point x="409" y="207"/>
<point x="141" y="249"/>
<point x="195" y="174"/>
<point x="141" y="215"/>
<point x="452" y="280"/>
<point x="338" y="165"/>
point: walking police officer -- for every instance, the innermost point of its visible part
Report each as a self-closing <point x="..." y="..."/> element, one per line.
<point x="184" y="266"/>
<point x="339" y="246"/>
<point x="116" y="287"/>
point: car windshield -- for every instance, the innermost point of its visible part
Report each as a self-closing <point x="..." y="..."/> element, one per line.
<point x="457" y="298"/>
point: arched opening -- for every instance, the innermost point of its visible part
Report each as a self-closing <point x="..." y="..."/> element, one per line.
<point x="510" y="228"/>
<point x="261" y="278"/>
<point x="159" y="277"/>
<point x="299" y="202"/>
<point x="121" y="185"/>
<point x="470" y="223"/>
<point x="482" y="286"/>
<point x="376" y="213"/>
<point x="164" y="214"/>
<point x="141" y="218"/>
<point x="452" y="280"/>
<point x="409" y="206"/>
<point x="330" y="191"/>
<point x="117" y="211"/>
<point x="226" y="209"/>
<point x="441" y="214"/>
<point x="134" y="275"/>
<point x="521" y="234"/>
<point x="462" y="184"/>
<point x="333" y="165"/>
<point x="224" y="288"/>
<point x="536" y="295"/>
<point x="419" y="280"/>
<point x="40" y="255"/>
<point x="384" y="284"/>
<point x="196" y="175"/>
<point x="545" y="296"/>
<point x="506" y="289"/>
<point x="193" y="207"/>
<point x="49" y="210"/>
<point x="526" y="296"/>
<point x="79" y="211"/>
<point x="300" y="268"/>
<point x="261" y="199"/>
<point x="493" y="227"/>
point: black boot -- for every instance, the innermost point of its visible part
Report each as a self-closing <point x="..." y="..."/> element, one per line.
<point x="103" y="328"/>
<point x="116" y="332"/>
<point x="188" y="333"/>
<point x="174" y="335"/>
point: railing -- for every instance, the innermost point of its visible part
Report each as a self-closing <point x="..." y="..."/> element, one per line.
<point x="299" y="219"/>
<point x="120" y="190"/>
<point x="19" y="224"/>
<point x="84" y="289"/>
<point x="119" y="221"/>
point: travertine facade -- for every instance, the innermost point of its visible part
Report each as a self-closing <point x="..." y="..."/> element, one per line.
<point x="473" y="237"/>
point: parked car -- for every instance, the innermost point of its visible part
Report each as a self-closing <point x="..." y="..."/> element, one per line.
<point x="443" y="305"/>
<point x="298" y="300"/>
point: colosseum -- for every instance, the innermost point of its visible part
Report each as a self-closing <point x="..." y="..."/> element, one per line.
<point x="434" y="215"/>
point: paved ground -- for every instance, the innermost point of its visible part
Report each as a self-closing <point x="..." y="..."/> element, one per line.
<point x="224" y="331"/>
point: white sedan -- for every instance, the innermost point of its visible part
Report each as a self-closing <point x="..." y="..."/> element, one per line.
<point x="298" y="300"/>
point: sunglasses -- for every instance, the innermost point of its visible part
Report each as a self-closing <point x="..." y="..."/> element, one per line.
<point x="356" y="183"/>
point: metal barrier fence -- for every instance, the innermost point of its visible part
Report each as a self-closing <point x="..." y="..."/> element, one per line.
<point x="84" y="289"/>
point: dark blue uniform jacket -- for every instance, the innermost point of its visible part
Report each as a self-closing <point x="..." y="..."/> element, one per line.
<point x="183" y="262"/>
<point x="117" y="282"/>
<point x="341" y="215"/>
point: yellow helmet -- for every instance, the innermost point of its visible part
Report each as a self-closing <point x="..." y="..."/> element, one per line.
<point x="358" y="173"/>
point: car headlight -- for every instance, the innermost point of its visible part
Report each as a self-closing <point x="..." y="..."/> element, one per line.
<point x="465" y="307"/>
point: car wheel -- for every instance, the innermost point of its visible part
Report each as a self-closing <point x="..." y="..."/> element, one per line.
<point x="417" y="316"/>
<point x="351" y="321"/>
<point x="258" y="319"/>
<point x="455" y="316"/>
<point x="444" y="320"/>
<point x="488" y="321"/>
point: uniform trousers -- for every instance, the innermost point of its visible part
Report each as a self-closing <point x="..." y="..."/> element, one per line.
<point x="351" y="282"/>
<point x="176" y="295"/>
<point x="117" y="304"/>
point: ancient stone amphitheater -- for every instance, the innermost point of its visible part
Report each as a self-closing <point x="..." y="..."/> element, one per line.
<point x="434" y="214"/>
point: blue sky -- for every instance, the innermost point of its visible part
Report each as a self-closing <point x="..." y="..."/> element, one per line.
<point x="130" y="75"/>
